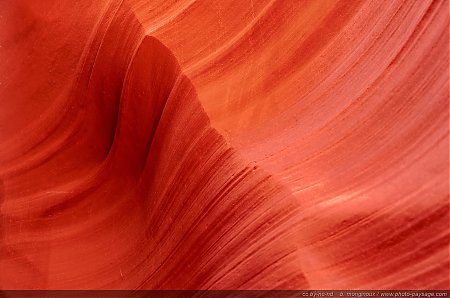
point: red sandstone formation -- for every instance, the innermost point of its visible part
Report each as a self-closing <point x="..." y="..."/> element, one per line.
<point x="270" y="144"/>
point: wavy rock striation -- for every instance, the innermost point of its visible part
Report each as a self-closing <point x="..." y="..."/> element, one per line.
<point x="325" y="164"/>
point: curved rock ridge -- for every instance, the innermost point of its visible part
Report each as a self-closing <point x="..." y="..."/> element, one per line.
<point x="125" y="185"/>
<point x="194" y="144"/>
<point x="345" y="103"/>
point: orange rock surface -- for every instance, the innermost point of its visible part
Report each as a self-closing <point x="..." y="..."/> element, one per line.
<point x="193" y="144"/>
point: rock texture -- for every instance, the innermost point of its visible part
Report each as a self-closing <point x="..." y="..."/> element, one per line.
<point x="228" y="144"/>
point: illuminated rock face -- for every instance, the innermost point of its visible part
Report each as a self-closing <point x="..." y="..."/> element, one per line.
<point x="227" y="145"/>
